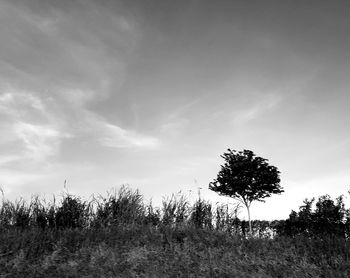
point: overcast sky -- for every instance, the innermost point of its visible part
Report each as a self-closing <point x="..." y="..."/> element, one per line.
<point x="151" y="93"/>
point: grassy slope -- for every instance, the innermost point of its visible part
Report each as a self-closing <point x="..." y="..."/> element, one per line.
<point x="139" y="251"/>
<point x="118" y="236"/>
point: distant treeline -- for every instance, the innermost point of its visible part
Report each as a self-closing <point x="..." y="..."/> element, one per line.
<point x="126" y="207"/>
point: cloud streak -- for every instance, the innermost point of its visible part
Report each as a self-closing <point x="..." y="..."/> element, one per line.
<point x="40" y="141"/>
<point x="116" y="137"/>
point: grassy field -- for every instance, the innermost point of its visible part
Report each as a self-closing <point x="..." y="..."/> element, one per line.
<point x="119" y="236"/>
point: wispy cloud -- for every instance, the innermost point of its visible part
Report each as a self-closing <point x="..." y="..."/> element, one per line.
<point x="16" y="103"/>
<point x="40" y="141"/>
<point x="252" y="111"/>
<point x="4" y="159"/>
<point x="117" y="137"/>
<point x="30" y="125"/>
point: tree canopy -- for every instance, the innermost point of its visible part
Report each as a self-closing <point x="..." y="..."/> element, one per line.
<point x="246" y="177"/>
<point x="328" y="217"/>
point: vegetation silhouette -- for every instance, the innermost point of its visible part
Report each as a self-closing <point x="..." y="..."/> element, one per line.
<point x="120" y="235"/>
<point x="328" y="218"/>
<point x="246" y="178"/>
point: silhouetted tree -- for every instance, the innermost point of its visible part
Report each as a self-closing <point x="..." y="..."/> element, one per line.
<point x="305" y="217"/>
<point x="246" y="178"/>
<point x="328" y="218"/>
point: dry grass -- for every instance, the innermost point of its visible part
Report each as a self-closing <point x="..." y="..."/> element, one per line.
<point x="120" y="236"/>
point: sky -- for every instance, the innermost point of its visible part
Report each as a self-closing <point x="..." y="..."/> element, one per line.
<point x="151" y="93"/>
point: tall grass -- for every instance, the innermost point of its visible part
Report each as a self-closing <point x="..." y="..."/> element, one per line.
<point x="120" y="235"/>
<point x="119" y="208"/>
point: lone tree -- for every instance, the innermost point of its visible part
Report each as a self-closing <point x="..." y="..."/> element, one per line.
<point x="246" y="178"/>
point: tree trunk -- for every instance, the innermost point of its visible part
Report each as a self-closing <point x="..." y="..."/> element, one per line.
<point x="247" y="205"/>
<point x="249" y="221"/>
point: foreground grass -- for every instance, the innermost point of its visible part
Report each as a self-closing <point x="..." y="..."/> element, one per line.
<point x="120" y="236"/>
<point x="145" y="251"/>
